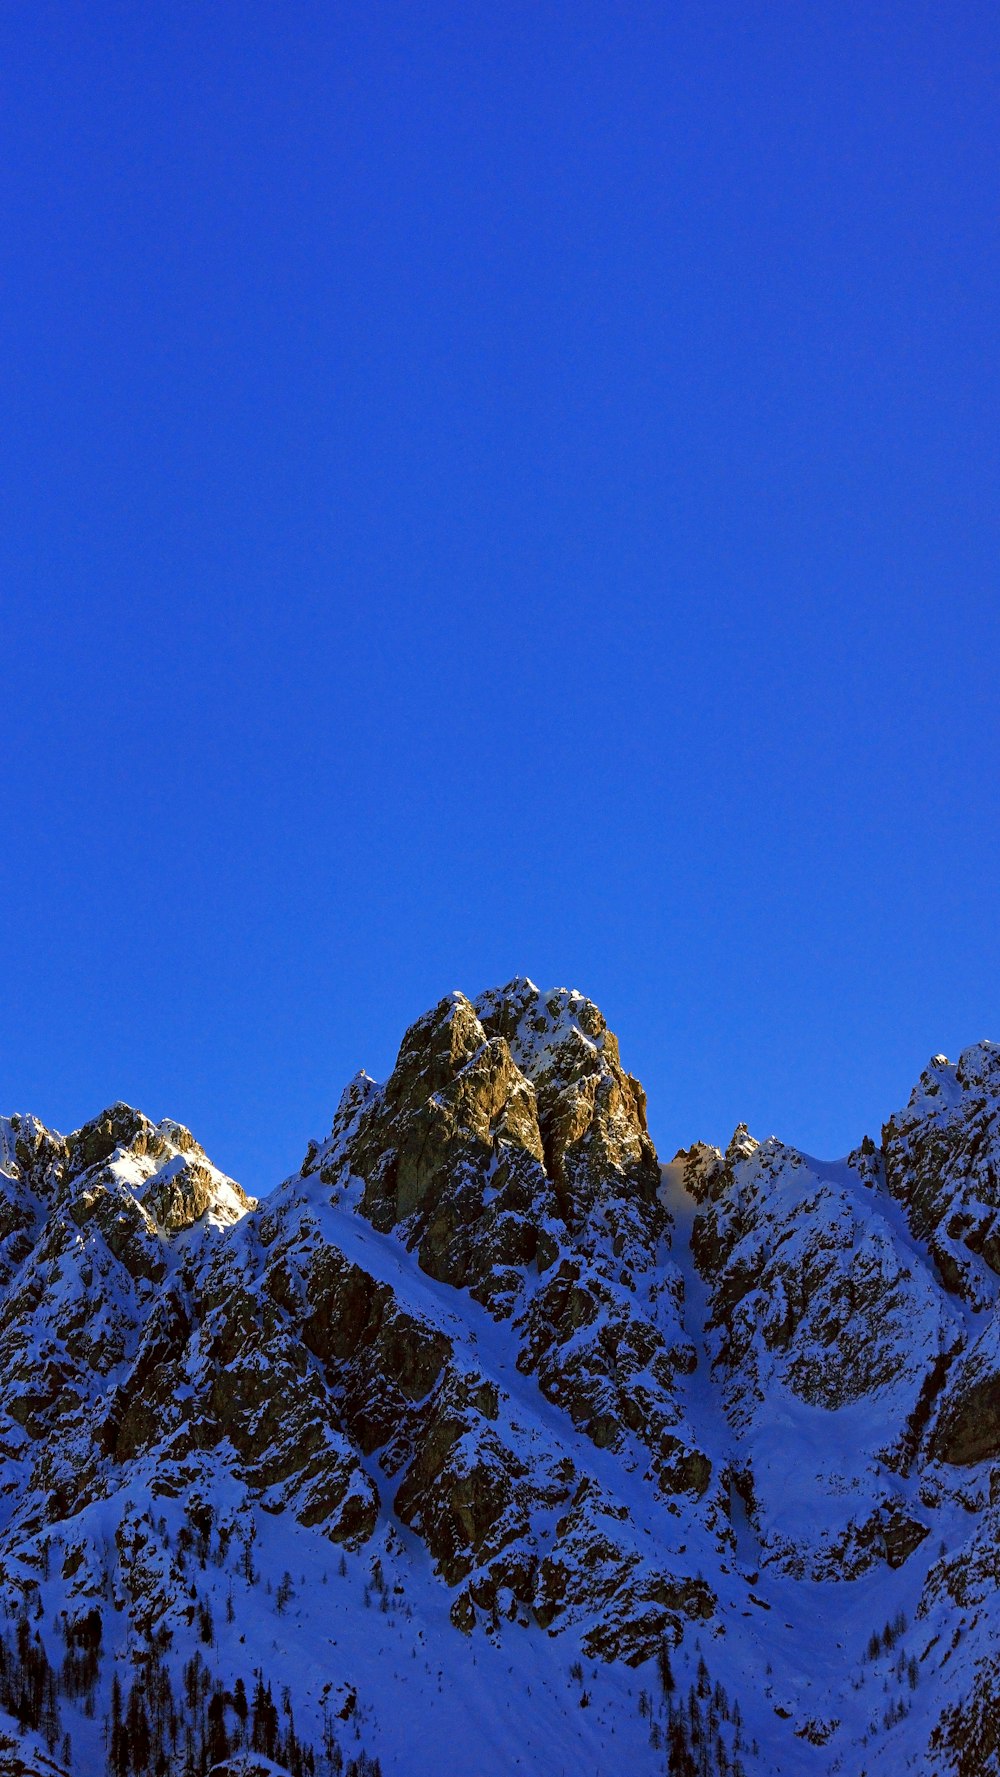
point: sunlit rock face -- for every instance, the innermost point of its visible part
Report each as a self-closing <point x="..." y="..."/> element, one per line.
<point x="484" y="1388"/>
<point x="508" y="1154"/>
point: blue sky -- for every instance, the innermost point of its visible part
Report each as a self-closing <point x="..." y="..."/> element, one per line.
<point x="494" y="490"/>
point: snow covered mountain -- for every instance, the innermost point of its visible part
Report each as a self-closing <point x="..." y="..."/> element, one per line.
<point x="485" y="1443"/>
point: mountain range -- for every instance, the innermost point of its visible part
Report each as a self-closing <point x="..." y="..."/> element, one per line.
<point x="488" y="1443"/>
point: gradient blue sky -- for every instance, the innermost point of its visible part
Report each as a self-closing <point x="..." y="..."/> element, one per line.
<point x="496" y="489"/>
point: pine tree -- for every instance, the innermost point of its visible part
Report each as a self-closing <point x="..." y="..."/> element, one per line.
<point x="118" y="1743"/>
<point x="218" y="1745"/>
<point x="241" y="1710"/>
<point x="264" y="1723"/>
<point x="680" y="1760"/>
<point x="137" y="1729"/>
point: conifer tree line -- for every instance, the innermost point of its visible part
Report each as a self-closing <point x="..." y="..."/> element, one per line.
<point x="701" y="1733"/>
<point x="29" y="1689"/>
<point x="152" y="1729"/>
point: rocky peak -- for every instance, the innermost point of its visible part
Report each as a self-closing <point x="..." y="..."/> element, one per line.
<point x="454" y="1109"/>
<point x="433" y="1052"/>
<point x="509" y="1151"/>
<point x="742" y="1145"/>
<point x="30" y="1153"/>
<point x="942" y="1161"/>
<point x="121" y="1155"/>
<point x="117" y="1128"/>
<point x="120" y="1180"/>
<point x="591" y="1113"/>
<point x="477" y="1082"/>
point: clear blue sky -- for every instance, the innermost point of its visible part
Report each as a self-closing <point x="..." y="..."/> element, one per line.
<point x="496" y="489"/>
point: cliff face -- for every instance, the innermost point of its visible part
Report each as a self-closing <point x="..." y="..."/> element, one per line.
<point x="484" y="1416"/>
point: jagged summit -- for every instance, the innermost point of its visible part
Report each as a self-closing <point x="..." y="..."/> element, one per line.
<point x="942" y="1161"/>
<point x="476" y="1080"/>
<point x="120" y="1154"/>
<point x="502" y="1419"/>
